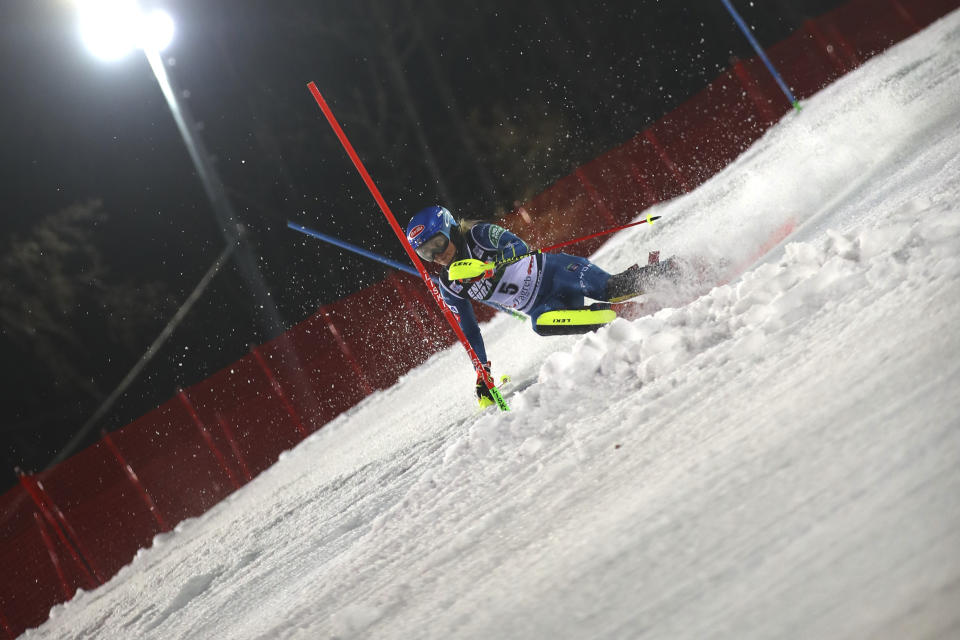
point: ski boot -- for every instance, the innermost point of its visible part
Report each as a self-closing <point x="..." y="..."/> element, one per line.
<point x="635" y="280"/>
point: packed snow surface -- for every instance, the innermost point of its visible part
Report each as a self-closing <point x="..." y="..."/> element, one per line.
<point x="779" y="458"/>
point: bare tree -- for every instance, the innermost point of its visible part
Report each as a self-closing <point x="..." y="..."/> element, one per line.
<point x="59" y="307"/>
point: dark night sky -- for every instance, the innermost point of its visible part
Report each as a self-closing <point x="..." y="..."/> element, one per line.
<point x="106" y="228"/>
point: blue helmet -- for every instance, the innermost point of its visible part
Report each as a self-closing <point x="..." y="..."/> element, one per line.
<point x="426" y="225"/>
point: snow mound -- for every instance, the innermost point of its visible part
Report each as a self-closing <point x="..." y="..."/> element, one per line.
<point x="736" y="325"/>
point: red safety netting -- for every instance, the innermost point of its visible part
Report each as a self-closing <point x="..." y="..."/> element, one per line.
<point x="38" y="571"/>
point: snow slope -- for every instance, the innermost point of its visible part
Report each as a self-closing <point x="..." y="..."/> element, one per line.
<point x="779" y="458"/>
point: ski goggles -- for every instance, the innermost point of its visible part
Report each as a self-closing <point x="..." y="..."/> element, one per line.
<point x="433" y="247"/>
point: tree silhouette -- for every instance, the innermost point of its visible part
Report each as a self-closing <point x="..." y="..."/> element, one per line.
<point x="66" y="316"/>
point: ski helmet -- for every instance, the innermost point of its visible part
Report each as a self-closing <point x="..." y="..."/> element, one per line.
<point x="429" y="231"/>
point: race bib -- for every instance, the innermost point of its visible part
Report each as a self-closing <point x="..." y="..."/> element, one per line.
<point x="518" y="286"/>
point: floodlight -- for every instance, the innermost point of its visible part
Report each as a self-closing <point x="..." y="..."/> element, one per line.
<point x="113" y="28"/>
<point x="156" y="30"/>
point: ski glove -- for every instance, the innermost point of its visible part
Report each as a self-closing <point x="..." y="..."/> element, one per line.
<point x="482" y="391"/>
<point x="512" y="251"/>
<point x="488" y="273"/>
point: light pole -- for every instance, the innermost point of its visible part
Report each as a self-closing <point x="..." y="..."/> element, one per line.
<point x="112" y="29"/>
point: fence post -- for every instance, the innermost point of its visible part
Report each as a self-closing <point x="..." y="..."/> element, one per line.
<point x="6" y="626"/>
<point x="905" y="15"/>
<point x="523" y="213"/>
<point x="651" y="137"/>
<point x="595" y="196"/>
<point x="198" y="423"/>
<point x="651" y="196"/>
<point x="278" y="391"/>
<point x="61" y="527"/>
<point x="134" y="480"/>
<point x="54" y="558"/>
<point x="753" y="91"/>
<point x="825" y="45"/>
<point x="853" y="58"/>
<point x="228" y="433"/>
<point x="347" y="353"/>
<point x="397" y="280"/>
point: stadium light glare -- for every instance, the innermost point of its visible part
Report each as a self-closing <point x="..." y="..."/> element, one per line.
<point x="111" y="29"/>
<point x="157" y="33"/>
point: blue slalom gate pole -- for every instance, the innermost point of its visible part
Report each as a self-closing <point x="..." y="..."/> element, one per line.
<point x="352" y="247"/>
<point x="379" y="258"/>
<point x="763" y="56"/>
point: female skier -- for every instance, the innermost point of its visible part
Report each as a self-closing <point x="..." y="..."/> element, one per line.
<point x="548" y="287"/>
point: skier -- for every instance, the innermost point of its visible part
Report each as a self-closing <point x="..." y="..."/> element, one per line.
<point x="549" y="287"/>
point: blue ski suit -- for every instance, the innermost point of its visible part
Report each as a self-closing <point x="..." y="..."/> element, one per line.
<point x="534" y="285"/>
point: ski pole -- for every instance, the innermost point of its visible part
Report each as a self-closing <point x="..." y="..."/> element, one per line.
<point x="648" y="220"/>
<point x="470" y="268"/>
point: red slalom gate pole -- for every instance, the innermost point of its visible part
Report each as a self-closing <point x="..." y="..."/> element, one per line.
<point x="375" y="192"/>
